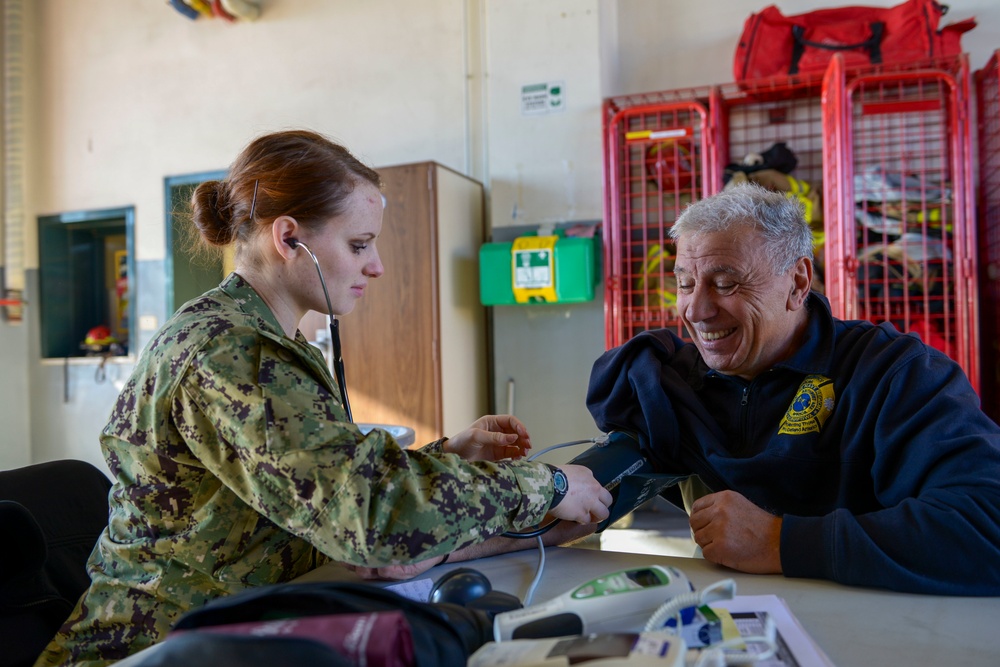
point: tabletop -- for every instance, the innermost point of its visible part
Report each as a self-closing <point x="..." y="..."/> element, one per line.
<point x="853" y="626"/>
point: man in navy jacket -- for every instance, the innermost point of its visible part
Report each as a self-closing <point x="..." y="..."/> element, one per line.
<point x="817" y="447"/>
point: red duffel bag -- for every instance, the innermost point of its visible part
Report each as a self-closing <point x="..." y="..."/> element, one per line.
<point x="773" y="44"/>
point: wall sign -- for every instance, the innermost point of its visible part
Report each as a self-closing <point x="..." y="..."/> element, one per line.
<point x="533" y="268"/>
<point x="542" y="98"/>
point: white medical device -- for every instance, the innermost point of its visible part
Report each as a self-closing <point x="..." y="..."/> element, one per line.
<point x="647" y="649"/>
<point x="617" y="602"/>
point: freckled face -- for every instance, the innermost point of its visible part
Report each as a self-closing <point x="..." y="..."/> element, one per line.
<point x="734" y="307"/>
<point x="345" y="247"/>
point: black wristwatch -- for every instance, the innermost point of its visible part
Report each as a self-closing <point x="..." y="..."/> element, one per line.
<point x="560" y="485"/>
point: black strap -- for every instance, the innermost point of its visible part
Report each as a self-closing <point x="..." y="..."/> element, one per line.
<point x="873" y="45"/>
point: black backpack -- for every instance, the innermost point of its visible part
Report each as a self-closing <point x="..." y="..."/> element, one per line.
<point x="442" y="633"/>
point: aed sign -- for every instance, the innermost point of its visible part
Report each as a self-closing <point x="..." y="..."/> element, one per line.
<point x="542" y="98"/>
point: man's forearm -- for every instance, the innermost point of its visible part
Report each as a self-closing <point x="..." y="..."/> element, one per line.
<point x="561" y="534"/>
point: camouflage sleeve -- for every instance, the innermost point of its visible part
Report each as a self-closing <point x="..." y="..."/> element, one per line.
<point x="434" y="447"/>
<point x="282" y="445"/>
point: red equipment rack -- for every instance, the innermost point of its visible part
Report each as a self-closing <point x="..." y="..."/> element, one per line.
<point x="670" y="132"/>
<point x="699" y="129"/>
<point x="917" y="271"/>
<point x="897" y="168"/>
<point x="987" y="82"/>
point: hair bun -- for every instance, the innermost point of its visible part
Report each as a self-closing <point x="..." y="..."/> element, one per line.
<point x="211" y="212"/>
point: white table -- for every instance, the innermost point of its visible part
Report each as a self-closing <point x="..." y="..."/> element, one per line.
<point x="855" y="627"/>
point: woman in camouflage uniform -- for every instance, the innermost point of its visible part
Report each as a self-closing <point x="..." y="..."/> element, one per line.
<point x="234" y="460"/>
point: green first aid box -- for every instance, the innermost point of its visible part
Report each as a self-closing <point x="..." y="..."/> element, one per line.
<point x="538" y="269"/>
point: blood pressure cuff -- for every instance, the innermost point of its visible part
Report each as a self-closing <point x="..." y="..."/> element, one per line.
<point x="415" y="633"/>
<point x="621" y="466"/>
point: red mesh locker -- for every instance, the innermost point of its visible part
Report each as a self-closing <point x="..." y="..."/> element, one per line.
<point x="988" y="115"/>
<point x="898" y="152"/>
<point x="699" y="131"/>
<point x="657" y="159"/>
<point x="889" y="150"/>
<point x="754" y="116"/>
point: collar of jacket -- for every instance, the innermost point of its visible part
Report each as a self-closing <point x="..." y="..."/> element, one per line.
<point x="815" y="355"/>
<point x="251" y="303"/>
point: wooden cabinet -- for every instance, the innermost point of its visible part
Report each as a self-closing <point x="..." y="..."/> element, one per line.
<point x="415" y="347"/>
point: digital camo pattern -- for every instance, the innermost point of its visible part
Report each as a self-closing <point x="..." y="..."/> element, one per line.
<point x="235" y="468"/>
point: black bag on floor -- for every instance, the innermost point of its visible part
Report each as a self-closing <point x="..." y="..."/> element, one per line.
<point x="442" y="633"/>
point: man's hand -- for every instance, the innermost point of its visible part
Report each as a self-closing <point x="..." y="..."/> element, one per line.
<point x="491" y="438"/>
<point x="734" y="532"/>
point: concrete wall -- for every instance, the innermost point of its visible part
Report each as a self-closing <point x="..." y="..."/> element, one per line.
<point x="124" y="94"/>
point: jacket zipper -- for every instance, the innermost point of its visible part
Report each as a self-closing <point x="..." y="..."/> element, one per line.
<point x="744" y="411"/>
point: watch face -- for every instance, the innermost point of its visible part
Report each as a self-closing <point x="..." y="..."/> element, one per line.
<point x="560" y="482"/>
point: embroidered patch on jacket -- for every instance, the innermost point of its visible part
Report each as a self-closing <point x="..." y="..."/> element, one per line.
<point x="812" y="406"/>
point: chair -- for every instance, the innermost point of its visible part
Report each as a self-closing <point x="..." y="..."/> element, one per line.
<point x="51" y="515"/>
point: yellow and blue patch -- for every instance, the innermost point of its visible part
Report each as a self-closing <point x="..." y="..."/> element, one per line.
<point x="812" y="406"/>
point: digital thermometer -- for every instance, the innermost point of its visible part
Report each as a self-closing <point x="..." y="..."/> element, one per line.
<point x="621" y="601"/>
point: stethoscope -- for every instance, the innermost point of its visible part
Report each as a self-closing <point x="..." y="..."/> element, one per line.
<point x="338" y="357"/>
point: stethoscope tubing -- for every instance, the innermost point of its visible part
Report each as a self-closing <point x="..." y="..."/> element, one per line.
<point x="338" y="356"/>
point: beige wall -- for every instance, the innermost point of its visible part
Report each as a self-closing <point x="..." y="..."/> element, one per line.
<point x="124" y="94"/>
<point x="132" y="91"/>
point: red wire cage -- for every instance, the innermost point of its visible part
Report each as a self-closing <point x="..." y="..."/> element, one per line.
<point x="987" y="82"/>
<point x="903" y="246"/>
<point x="888" y="150"/>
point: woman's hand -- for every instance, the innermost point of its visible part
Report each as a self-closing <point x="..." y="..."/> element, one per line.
<point x="491" y="438"/>
<point x="586" y="500"/>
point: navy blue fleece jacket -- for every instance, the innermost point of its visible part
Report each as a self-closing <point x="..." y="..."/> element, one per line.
<point x="869" y="444"/>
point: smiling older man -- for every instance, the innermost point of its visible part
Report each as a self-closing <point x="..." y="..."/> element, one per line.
<point x="816" y="447"/>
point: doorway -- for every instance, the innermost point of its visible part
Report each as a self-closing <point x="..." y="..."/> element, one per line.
<point x="189" y="273"/>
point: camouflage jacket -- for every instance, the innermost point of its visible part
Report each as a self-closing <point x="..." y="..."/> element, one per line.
<point x="235" y="467"/>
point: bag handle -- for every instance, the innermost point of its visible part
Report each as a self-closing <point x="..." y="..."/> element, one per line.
<point x="873" y="45"/>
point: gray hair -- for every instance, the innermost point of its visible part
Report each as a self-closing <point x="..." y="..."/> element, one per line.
<point x="779" y="219"/>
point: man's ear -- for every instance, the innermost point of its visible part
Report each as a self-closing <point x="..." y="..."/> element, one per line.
<point x="802" y="275"/>
<point x="283" y="228"/>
